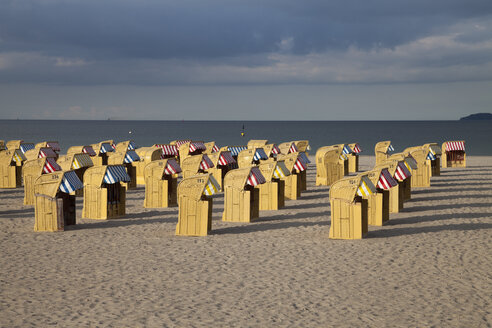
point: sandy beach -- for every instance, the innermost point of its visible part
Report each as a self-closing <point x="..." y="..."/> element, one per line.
<point x="430" y="266"/>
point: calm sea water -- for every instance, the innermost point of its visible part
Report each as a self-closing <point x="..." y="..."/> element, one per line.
<point x="477" y="134"/>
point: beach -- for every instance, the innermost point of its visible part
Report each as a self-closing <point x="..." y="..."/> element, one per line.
<point x="429" y="266"/>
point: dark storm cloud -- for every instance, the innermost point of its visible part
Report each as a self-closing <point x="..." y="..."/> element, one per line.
<point x="196" y="29"/>
<point x="166" y="42"/>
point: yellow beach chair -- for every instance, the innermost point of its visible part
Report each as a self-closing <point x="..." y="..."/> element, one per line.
<point x="55" y="200"/>
<point x="349" y="211"/>
<point x="241" y="198"/>
<point x="104" y="194"/>
<point x="453" y="154"/>
<point x="161" y="184"/>
<point x="11" y="168"/>
<point x="195" y="205"/>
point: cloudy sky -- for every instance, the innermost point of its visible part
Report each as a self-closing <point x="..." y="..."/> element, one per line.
<point x="231" y="59"/>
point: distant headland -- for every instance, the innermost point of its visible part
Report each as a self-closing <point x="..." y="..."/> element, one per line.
<point x="477" y="117"/>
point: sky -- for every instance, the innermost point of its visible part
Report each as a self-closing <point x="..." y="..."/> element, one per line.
<point x="237" y="60"/>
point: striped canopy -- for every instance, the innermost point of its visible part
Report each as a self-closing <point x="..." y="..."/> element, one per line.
<point x="115" y="174"/>
<point x="89" y="150"/>
<point x="357" y="149"/>
<point x="280" y="171"/>
<point x="304" y="158"/>
<point x="390" y="148"/>
<point x="18" y="156"/>
<point x="51" y="166"/>
<point x="131" y="156"/>
<point x="206" y="163"/>
<point x="26" y="146"/>
<point x="455" y="146"/>
<point x="411" y="163"/>
<point x="386" y="181"/>
<point x="255" y="177"/>
<point x="81" y="160"/>
<point x="70" y="182"/>
<point x="260" y="154"/>
<point x="168" y="150"/>
<point x="343" y="157"/>
<point x="236" y="149"/>
<point x="106" y="148"/>
<point x="172" y="167"/>
<point x="212" y="187"/>
<point x="300" y="166"/>
<point x="402" y="172"/>
<point x="215" y="149"/>
<point x="180" y="142"/>
<point x="132" y="145"/>
<point x="431" y="155"/>
<point x="366" y="187"/>
<point x="196" y="146"/>
<point x="226" y="158"/>
<point x="293" y="148"/>
<point x="346" y="150"/>
<point x="275" y="150"/>
<point x="54" y="145"/>
<point x="46" y="152"/>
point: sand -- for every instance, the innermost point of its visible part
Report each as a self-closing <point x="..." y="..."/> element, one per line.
<point x="430" y="266"/>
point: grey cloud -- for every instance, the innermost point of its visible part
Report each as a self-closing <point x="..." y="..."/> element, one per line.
<point x="243" y="42"/>
<point x="209" y="29"/>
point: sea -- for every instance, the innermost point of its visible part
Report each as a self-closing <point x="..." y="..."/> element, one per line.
<point x="476" y="134"/>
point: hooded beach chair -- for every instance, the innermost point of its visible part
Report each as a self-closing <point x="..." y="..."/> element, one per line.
<point x="349" y="211"/>
<point x="433" y="158"/>
<point x="31" y="170"/>
<point x="406" y="164"/>
<point x="353" y="157"/>
<point x="330" y="165"/>
<point x="422" y="174"/>
<point x="453" y="154"/>
<point x="49" y="144"/>
<point x="55" y="200"/>
<point x="126" y="145"/>
<point x="379" y="208"/>
<point x="11" y="168"/>
<point x="296" y="165"/>
<point x="271" y="150"/>
<point x="241" y="198"/>
<point x="396" y="192"/>
<point x="302" y="146"/>
<point x="211" y="147"/>
<point x="382" y="151"/>
<point x="82" y="150"/>
<point x="147" y="155"/>
<point x="251" y="156"/>
<point x="104" y="194"/>
<point x="79" y="163"/>
<point x="256" y="143"/>
<point x="161" y="183"/>
<point x="190" y="148"/>
<point x="168" y="150"/>
<point x="196" y="164"/>
<point x="128" y="159"/>
<point x="195" y="205"/>
<point x="377" y="202"/>
<point x="235" y="150"/>
<point x="272" y="192"/>
<point x="288" y="147"/>
<point x="222" y="162"/>
<point x="40" y="152"/>
<point x="20" y="144"/>
<point x="102" y="149"/>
